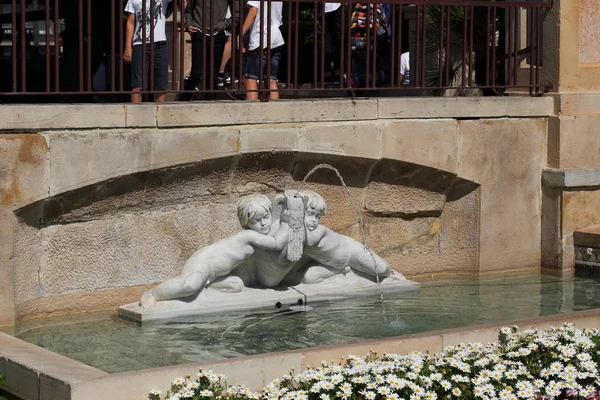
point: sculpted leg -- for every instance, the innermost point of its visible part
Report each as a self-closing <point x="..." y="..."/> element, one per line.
<point x="318" y="273"/>
<point x="173" y="288"/>
<point x="229" y="284"/>
<point x="168" y="289"/>
<point x="194" y="283"/>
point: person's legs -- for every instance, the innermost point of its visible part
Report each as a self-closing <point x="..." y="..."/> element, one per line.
<point x="136" y="96"/>
<point x="226" y="55"/>
<point x="274" y="93"/>
<point x="161" y="71"/>
<point x="196" y="73"/>
<point x="251" y="88"/>
<point x="217" y="42"/>
<point x="224" y="61"/>
<point x="274" y="67"/>
<point x="251" y="69"/>
<point x="221" y="41"/>
<point x="136" y="74"/>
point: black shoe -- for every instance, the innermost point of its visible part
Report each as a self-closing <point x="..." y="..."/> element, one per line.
<point x="220" y="81"/>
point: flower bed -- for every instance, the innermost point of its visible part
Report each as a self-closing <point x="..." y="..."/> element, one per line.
<point x="556" y="363"/>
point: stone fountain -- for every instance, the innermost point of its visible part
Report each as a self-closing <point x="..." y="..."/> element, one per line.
<point x="284" y="259"/>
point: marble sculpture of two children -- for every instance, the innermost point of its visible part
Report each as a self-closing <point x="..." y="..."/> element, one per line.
<point x="268" y="238"/>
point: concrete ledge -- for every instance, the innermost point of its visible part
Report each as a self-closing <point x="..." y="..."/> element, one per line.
<point x="579" y="103"/>
<point x="75" y="158"/>
<point x="239" y="112"/>
<point x="572" y="178"/>
<point x="466" y="107"/>
<point x="168" y="115"/>
<point x="36" y="373"/>
<point x="254" y="371"/>
<point x="587" y="237"/>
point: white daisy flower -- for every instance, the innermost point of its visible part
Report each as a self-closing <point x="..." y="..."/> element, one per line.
<point x="178" y="381"/>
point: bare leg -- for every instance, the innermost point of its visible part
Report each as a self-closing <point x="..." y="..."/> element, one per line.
<point x="173" y="288"/>
<point x="226" y="55"/>
<point x="274" y="94"/>
<point x="160" y="97"/>
<point x="136" y="96"/>
<point x="229" y="284"/>
<point x="251" y="89"/>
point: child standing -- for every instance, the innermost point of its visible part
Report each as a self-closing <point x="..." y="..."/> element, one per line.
<point x="255" y="54"/>
<point x="206" y="21"/>
<point x="135" y="38"/>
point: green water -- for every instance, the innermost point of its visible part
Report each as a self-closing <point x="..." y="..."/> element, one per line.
<point x="111" y="345"/>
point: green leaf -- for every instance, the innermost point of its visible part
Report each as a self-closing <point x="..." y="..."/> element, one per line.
<point x="2" y="378"/>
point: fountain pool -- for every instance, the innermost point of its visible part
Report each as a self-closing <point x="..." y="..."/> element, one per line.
<point x="112" y="345"/>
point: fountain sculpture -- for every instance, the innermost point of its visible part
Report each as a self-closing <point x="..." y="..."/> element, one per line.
<point x="284" y="257"/>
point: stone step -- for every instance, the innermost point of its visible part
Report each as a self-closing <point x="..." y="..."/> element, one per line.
<point x="587" y="249"/>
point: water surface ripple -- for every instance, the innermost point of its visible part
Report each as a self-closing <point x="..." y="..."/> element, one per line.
<point x="111" y="345"/>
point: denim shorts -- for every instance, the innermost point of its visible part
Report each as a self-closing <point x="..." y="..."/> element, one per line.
<point x="252" y="68"/>
<point x="161" y="66"/>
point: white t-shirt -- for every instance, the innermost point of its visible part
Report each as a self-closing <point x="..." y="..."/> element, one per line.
<point x="276" y="17"/>
<point x="160" y="15"/>
<point x="329" y="7"/>
<point x="405" y="67"/>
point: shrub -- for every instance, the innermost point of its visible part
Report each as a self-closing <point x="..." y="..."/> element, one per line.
<point x="2" y="379"/>
<point x="557" y="363"/>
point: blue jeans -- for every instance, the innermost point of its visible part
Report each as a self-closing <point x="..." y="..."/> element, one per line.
<point x="252" y="67"/>
<point x="161" y="66"/>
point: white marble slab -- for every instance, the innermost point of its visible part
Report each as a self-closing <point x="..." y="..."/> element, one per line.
<point x="211" y="301"/>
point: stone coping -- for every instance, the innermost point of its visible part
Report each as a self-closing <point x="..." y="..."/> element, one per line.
<point x="587" y="237"/>
<point x="38" y="117"/>
<point x="36" y="373"/>
<point x="572" y="178"/>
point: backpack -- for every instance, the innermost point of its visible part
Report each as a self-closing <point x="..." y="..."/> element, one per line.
<point x="358" y="26"/>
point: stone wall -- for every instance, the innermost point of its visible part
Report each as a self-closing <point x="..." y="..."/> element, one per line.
<point x="92" y="217"/>
<point x="573" y="144"/>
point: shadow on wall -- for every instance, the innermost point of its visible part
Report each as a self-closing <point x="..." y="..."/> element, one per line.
<point x="391" y="188"/>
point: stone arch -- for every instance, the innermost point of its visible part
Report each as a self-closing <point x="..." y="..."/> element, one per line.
<point x="109" y="240"/>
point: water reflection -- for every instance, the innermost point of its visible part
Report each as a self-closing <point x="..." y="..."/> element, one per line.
<point x="114" y="346"/>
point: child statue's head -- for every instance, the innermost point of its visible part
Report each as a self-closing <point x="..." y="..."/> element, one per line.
<point x="314" y="208"/>
<point x="254" y="212"/>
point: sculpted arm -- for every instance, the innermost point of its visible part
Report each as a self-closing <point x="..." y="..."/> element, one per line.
<point x="267" y="242"/>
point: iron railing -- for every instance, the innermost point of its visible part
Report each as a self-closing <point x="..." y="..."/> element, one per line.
<point x="72" y="50"/>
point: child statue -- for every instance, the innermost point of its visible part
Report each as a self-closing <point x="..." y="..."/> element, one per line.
<point x="211" y="264"/>
<point x="335" y="252"/>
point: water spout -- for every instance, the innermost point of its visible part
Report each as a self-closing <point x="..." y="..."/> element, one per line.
<point x="360" y="218"/>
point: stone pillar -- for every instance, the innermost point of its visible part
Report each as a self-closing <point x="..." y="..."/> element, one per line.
<point x="23" y="180"/>
<point x="571" y="64"/>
